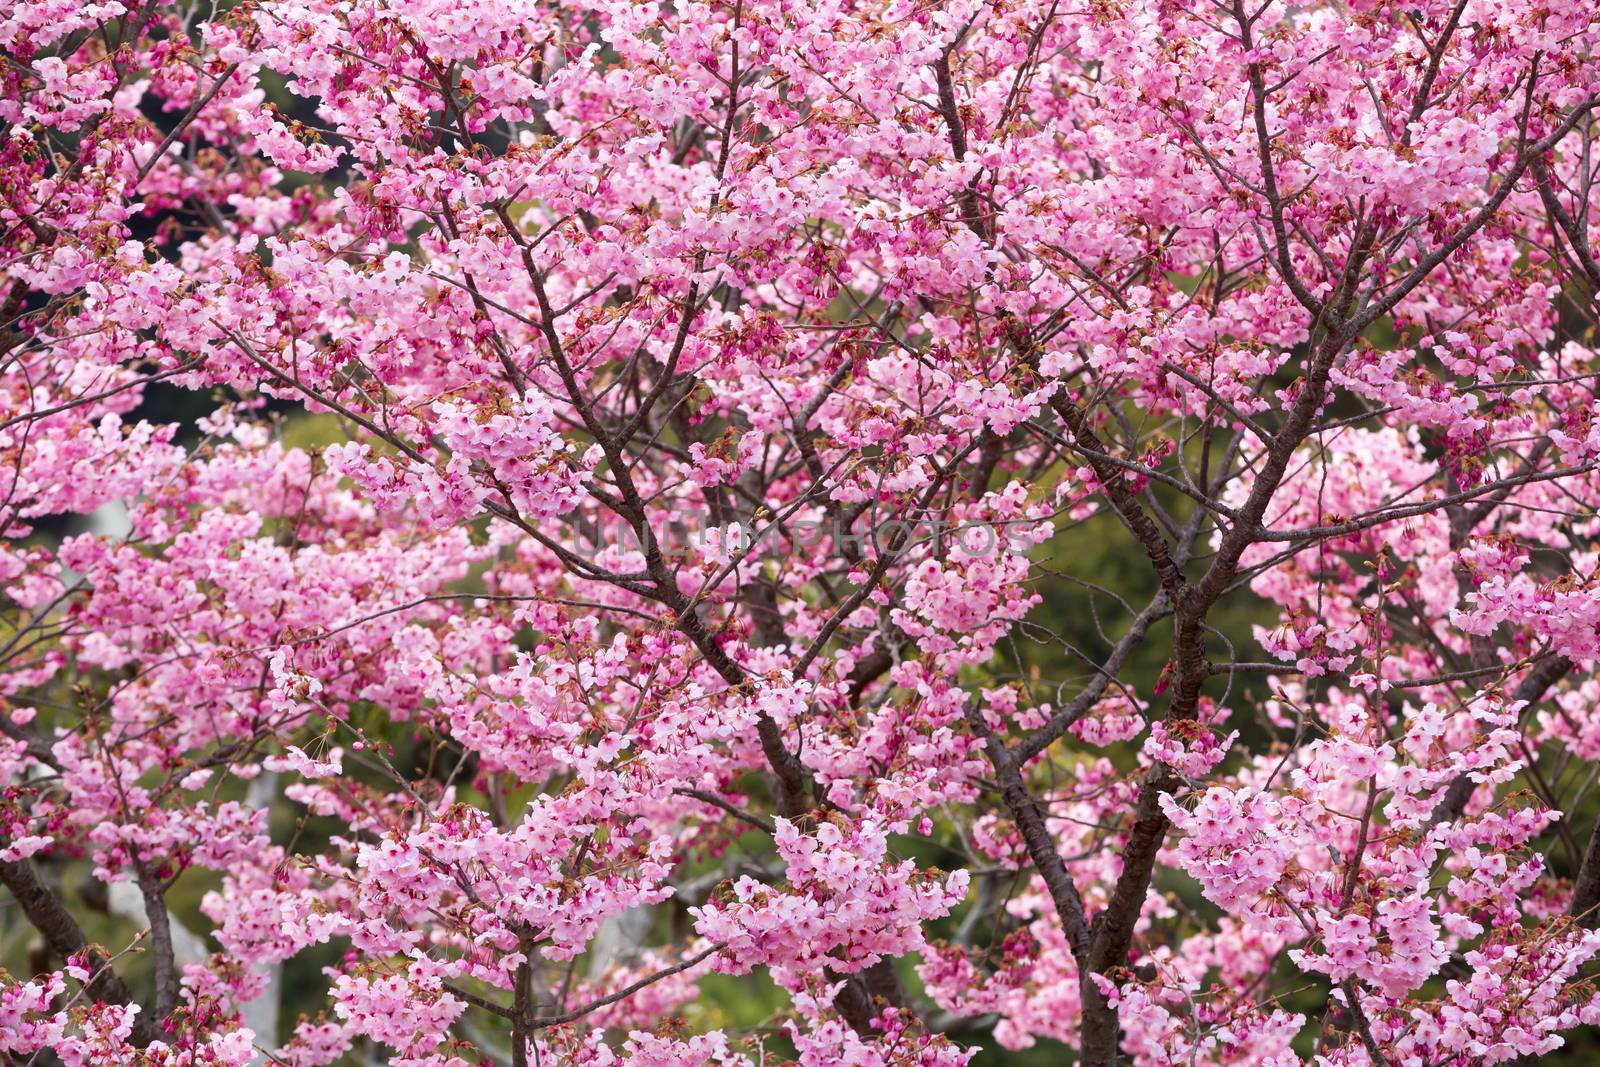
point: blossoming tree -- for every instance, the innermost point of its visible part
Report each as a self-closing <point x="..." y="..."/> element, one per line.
<point x="711" y="388"/>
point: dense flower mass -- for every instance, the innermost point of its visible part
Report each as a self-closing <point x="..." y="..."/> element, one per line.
<point x="985" y="523"/>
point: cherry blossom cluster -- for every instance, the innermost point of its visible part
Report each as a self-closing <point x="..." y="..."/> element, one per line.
<point x="1143" y="459"/>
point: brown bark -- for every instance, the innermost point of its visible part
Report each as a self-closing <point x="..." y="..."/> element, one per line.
<point x="64" y="937"/>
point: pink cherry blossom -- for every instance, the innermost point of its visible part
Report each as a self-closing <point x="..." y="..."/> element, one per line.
<point x="996" y="525"/>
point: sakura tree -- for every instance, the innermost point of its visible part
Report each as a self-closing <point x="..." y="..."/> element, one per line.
<point x="706" y="412"/>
